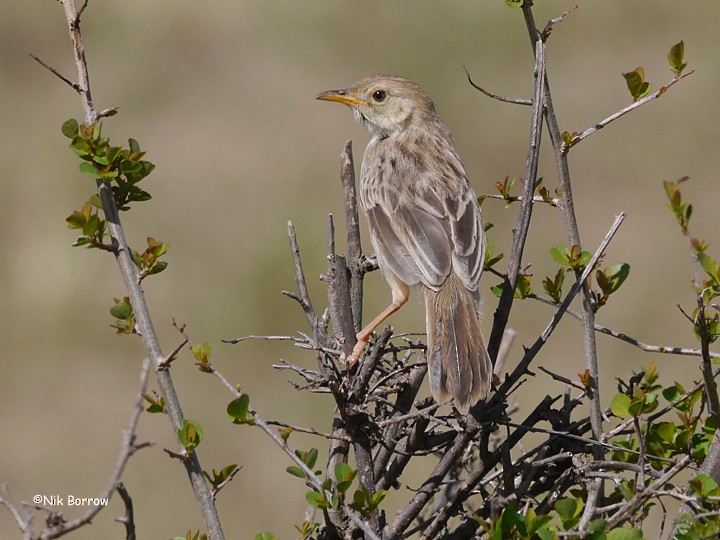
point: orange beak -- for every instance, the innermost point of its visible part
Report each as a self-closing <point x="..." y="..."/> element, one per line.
<point x="341" y="96"/>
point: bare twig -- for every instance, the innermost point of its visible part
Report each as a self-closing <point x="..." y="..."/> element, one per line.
<point x="55" y="72"/>
<point x="516" y="101"/>
<point x="562" y="379"/>
<point x="552" y="201"/>
<point x="127" y="449"/>
<point x="24" y="522"/>
<point x="647" y="347"/>
<point x="304" y="298"/>
<point x="129" y="518"/>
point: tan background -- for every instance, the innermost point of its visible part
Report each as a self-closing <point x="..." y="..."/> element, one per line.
<point x="221" y="96"/>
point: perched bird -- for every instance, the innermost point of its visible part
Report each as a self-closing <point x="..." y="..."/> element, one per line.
<point x="426" y="229"/>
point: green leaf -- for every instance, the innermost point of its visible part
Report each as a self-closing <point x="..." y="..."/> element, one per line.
<point x="620" y="405"/>
<point x="318" y="500"/>
<point x="76" y="220"/>
<point x="636" y="84"/>
<point x="265" y="536"/>
<point x="311" y="457"/>
<point x="87" y="168"/>
<point x="561" y="254"/>
<point x="121" y="310"/>
<point x="344" y="475"/>
<point x="134" y="146"/>
<point x="709" y="265"/>
<point x="554" y="286"/>
<point x="296" y="471"/>
<point x="676" y="57"/>
<point x="112" y="153"/>
<point x="190" y="434"/>
<point x="91" y="226"/>
<point x="70" y="128"/>
<point x="238" y="409"/>
<point x="497" y="290"/>
<point x="202" y="352"/>
<point x="624" y="534"/>
<point x="616" y="274"/>
<point x="523" y="288"/>
<point x="157" y="268"/>
<point x="343" y="471"/>
<point x="81" y="241"/>
<point x="704" y="486"/>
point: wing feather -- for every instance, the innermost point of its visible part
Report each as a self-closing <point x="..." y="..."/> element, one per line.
<point x="423" y="229"/>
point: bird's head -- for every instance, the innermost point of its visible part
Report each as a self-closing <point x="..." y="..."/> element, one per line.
<point x="386" y="104"/>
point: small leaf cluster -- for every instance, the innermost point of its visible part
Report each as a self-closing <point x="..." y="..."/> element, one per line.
<point x="265" y="536"/>
<point x="124" y="316"/>
<point x="192" y="536"/>
<point x="573" y="259"/>
<point x="681" y="210"/>
<point x="89" y="222"/>
<point x="513" y="524"/>
<point x="569" y="139"/>
<point x="635" y="79"/>
<point x="490" y="258"/>
<point x="523" y="287"/>
<point x="693" y="527"/>
<point x="636" y="83"/>
<point x="156" y="403"/>
<point x="147" y="261"/>
<point x="662" y="438"/>
<point x="202" y="352"/>
<point x="239" y="410"/>
<point x="124" y="168"/>
<point x="330" y="497"/>
<point x="221" y="476"/>
<point x="609" y="279"/>
<point x="708" y="289"/>
<point x="505" y="190"/>
<point x="190" y="434"/>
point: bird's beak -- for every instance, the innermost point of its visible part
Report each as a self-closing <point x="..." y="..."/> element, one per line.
<point x="341" y="96"/>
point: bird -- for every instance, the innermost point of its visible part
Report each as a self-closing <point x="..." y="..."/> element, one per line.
<point x="426" y="229"/>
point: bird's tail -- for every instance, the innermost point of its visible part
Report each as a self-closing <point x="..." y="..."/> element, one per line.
<point x="458" y="362"/>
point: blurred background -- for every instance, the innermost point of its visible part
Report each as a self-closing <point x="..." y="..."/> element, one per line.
<point x="221" y="96"/>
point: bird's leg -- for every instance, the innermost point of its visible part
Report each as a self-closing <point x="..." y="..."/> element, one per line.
<point x="401" y="293"/>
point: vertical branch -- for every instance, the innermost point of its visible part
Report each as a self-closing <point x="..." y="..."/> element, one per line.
<point x="502" y="313"/>
<point x="354" y="249"/>
<point x="135" y="293"/>
<point x="339" y="279"/>
<point x="711" y="391"/>
<point x="83" y="84"/>
<point x="588" y="306"/>
<point x="304" y="297"/>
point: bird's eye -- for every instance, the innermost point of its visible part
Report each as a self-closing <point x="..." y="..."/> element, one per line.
<point x="379" y="95"/>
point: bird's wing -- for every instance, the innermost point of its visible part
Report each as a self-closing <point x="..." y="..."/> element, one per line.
<point x="423" y="236"/>
<point x="467" y="235"/>
<point x="412" y="243"/>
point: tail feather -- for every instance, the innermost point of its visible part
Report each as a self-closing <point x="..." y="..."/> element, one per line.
<point x="458" y="362"/>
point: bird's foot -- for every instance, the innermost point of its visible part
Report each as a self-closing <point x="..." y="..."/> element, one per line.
<point x="362" y="342"/>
